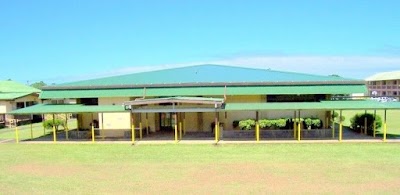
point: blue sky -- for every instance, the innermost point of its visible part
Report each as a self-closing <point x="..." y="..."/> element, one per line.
<point x="58" y="41"/>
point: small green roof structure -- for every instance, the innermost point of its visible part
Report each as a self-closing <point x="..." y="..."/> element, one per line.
<point x="10" y="90"/>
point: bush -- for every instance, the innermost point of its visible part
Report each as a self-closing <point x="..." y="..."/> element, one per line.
<point x="247" y="124"/>
<point x="48" y="124"/>
<point x="266" y="123"/>
<point x="280" y="123"/>
<point x="335" y="117"/>
<point x="357" y="122"/>
<point x="316" y="123"/>
<point x="2" y="125"/>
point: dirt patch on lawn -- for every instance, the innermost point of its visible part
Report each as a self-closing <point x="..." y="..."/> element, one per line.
<point x="41" y="170"/>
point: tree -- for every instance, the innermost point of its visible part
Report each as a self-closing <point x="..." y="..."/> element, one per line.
<point x="38" y="85"/>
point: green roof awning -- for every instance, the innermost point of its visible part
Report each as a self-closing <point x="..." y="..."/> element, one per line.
<point x="68" y="108"/>
<point x="324" y="105"/>
<point x="204" y="91"/>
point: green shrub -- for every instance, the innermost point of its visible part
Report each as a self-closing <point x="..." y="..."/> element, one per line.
<point x="2" y="125"/>
<point x="335" y="117"/>
<point x="247" y="124"/>
<point x="280" y="123"/>
<point x="357" y="122"/>
<point x="48" y="124"/>
<point x="316" y="123"/>
<point x="266" y="123"/>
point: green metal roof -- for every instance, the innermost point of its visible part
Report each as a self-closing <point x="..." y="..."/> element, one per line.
<point x="15" y="87"/>
<point x="12" y="96"/>
<point x="68" y="108"/>
<point x="204" y="91"/>
<point x="10" y="90"/>
<point x="201" y="75"/>
<point x="324" y="105"/>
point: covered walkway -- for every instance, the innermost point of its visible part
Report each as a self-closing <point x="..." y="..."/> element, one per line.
<point x="182" y="105"/>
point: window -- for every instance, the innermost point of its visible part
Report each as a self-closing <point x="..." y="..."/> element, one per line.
<point x="394" y="82"/>
<point x="57" y="101"/>
<point x="296" y="98"/>
<point x="20" y="105"/>
<point x="373" y="83"/>
<point x="383" y="93"/>
<point x="394" y="92"/>
<point x="89" y="101"/>
<point x="30" y="103"/>
<point x="2" y="117"/>
<point x="383" y="82"/>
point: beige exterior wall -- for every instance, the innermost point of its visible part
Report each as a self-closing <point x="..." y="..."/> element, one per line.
<point x="191" y="122"/>
<point x="8" y="106"/>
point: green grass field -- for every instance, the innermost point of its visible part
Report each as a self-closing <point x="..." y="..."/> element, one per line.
<point x="199" y="169"/>
<point x="24" y="131"/>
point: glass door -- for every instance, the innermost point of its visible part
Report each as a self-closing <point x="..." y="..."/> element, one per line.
<point x="167" y="121"/>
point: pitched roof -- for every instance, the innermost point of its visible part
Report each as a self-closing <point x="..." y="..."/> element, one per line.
<point x="15" y="87"/>
<point x="10" y="90"/>
<point x="393" y="75"/>
<point x="203" y="75"/>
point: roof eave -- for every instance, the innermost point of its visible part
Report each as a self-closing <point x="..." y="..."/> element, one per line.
<point x="208" y="84"/>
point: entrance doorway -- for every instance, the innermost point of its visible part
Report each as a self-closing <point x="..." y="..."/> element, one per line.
<point x="167" y="121"/>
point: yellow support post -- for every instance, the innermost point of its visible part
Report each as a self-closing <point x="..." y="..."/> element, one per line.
<point x="54" y="134"/>
<point x="147" y="125"/>
<point x="54" y="129"/>
<point x="374" y="124"/>
<point x="184" y="126"/>
<point x="384" y="131"/>
<point x="299" y="128"/>
<point x="294" y="125"/>
<point x="384" y="127"/>
<point x="340" y="127"/>
<point x="66" y="127"/>
<point x="92" y="132"/>
<point x="216" y="133"/>
<point x="31" y="131"/>
<point x="333" y="124"/>
<point x="102" y="127"/>
<point x="140" y="131"/>
<point x="180" y="130"/>
<point x="133" y="134"/>
<point x="365" y="123"/>
<point x="257" y="131"/>
<point x="16" y="134"/>
<point x="176" y="133"/>
<point x="298" y="132"/>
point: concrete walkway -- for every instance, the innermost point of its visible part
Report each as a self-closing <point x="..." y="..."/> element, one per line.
<point x="212" y="142"/>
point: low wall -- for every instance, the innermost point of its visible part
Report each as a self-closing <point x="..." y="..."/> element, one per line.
<point x="278" y="133"/>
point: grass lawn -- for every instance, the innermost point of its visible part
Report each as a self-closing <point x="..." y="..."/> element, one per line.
<point x="199" y="169"/>
<point x="393" y="119"/>
<point x="24" y="131"/>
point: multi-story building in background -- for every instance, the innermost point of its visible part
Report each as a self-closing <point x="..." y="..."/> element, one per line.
<point x="384" y="84"/>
